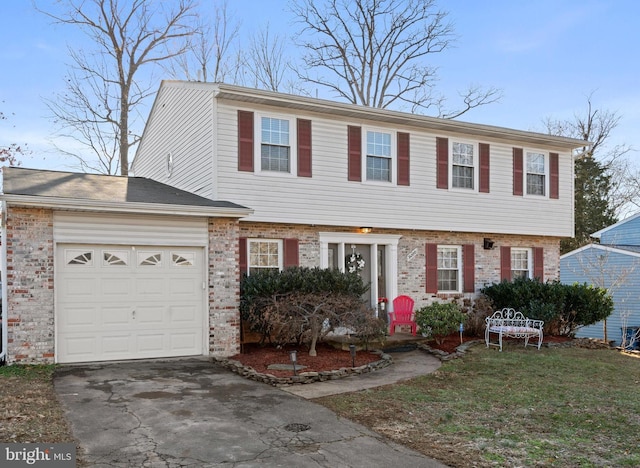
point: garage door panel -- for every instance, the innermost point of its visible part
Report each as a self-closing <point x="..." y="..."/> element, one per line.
<point x="152" y="314"/>
<point x="115" y="302"/>
<point x="150" y="286"/>
<point x="79" y="287"/>
<point x="116" y="315"/>
<point x="179" y="286"/>
<point x="115" y="286"/>
<point x="184" y="314"/>
<point x="80" y="316"/>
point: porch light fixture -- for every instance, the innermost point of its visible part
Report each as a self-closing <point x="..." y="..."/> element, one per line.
<point x="488" y="244"/>
<point x="366" y="229"/>
<point x="352" y="350"/>
<point x="293" y="355"/>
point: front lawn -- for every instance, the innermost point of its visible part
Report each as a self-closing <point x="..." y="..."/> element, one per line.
<point x="568" y="407"/>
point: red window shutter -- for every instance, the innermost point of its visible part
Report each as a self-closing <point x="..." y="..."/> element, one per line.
<point x="469" y="268"/>
<point x="538" y="263"/>
<point x="431" y="252"/>
<point x="442" y="157"/>
<point x="290" y="254"/>
<point x="517" y="171"/>
<point x="244" y="267"/>
<point x="554" y="176"/>
<point x="403" y="158"/>
<point x="484" y="167"/>
<point x="304" y="148"/>
<point x="354" y="148"/>
<point x="505" y="263"/>
<point x="245" y="141"/>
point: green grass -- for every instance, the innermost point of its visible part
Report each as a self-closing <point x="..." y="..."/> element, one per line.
<point x="548" y="407"/>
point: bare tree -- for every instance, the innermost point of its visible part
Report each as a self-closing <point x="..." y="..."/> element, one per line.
<point x="9" y="153"/>
<point x="207" y="57"/>
<point x="266" y="61"/>
<point x="374" y="52"/>
<point x="596" y="126"/>
<point x="105" y="88"/>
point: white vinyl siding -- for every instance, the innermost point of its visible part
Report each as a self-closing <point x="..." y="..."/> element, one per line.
<point x="128" y="230"/>
<point x="180" y="125"/>
<point x="329" y="199"/>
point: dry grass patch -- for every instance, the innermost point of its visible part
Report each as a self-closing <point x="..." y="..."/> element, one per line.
<point x="29" y="409"/>
<point x="568" y="407"/>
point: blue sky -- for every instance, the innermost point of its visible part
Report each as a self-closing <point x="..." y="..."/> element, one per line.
<point x="547" y="56"/>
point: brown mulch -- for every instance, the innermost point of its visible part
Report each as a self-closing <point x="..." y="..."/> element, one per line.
<point x="330" y="358"/>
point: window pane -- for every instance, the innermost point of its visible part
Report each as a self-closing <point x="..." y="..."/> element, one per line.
<point x="535" y="163"/>
<point x="378" y="144"/>
<point x="463" y="154"/>
<point x="275" y="131"/>
<point x="378" y="169"/>
<point x="264" y="255"/>
<point x="535" y="184"/>
<point x="519" y="263"/>
<point x="462" y="177"/>
<point x="462" y="165"/>
<point x="448" y="272"/>
<point x="275" y="158"/>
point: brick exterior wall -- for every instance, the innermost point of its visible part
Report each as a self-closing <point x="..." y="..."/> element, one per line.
<point x="411" y="253"/>
<point x="30" y="274"/>
<point x="30" y="293"/>
<point x="224" y="287"/>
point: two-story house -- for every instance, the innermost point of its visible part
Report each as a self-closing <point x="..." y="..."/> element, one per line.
<point x="430" y="208"/>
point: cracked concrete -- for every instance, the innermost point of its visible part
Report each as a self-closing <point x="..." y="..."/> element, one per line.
<point x="194" y="413"/>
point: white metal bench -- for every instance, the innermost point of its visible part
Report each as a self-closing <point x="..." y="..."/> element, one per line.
<point x="508" y="322"/>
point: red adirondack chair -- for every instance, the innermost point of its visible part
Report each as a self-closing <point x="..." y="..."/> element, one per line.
<point x="402" y="314"/>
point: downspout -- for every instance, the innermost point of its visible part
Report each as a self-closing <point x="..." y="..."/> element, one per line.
<point x="3" y="278"/>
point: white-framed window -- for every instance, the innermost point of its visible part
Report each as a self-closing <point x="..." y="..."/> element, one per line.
<point x="464" y="161"/>
<point x="521" y="263"/>
<point x="536" y="170"/>
<point x="276" y="141"/>
<point x="265" y="254"/>
<point x="449" y="268"/>
<point x="379" y="155"/>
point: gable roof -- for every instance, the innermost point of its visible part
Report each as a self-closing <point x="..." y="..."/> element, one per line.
<point x="630" y="251"/>
<point x="94" y="192"/>
<point x="355" y="111"/>
<point x="622" y="222"/>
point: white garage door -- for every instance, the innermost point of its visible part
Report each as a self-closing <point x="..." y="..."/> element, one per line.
<point x="120" y="302"/>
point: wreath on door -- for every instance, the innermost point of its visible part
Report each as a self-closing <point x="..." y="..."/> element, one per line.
<point x="354" y="263"/>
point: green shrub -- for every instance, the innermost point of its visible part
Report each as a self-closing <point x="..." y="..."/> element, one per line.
<point x="439" y="319"/>
<point x="564" y="308"/>
<point x="304" y="304"/>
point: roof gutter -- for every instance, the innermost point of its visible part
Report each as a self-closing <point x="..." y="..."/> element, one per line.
<point x="254" y="96"/>
<point x="124" y="207"/>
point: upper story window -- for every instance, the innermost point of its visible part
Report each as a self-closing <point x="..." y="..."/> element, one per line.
<point x="449" y="268"/>
<point x="536" y="174"/>
<point x="520" y="263"/>
<point x="275" y="149"/>
<point x="462" y="165"/>
<point x="265" y="254"/>
<point x="379" y="156"/>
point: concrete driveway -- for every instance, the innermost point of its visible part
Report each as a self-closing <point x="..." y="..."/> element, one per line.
<point x="180" y="413"/>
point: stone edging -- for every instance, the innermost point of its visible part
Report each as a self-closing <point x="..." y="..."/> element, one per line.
<point x="304" y="377"/>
